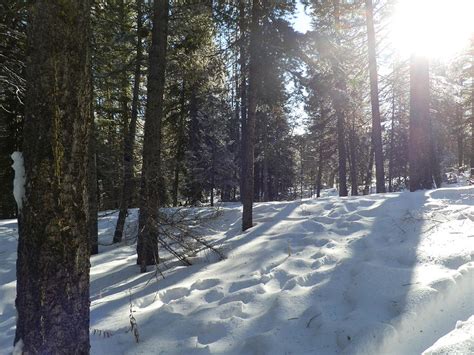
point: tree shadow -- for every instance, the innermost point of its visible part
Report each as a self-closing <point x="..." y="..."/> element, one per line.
<point x="379" y="272"/>
<point x="262" y="222"/>
<point x="387" y="302"/>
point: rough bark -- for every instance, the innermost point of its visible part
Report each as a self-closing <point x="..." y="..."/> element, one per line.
<point x="374" y="100"/>
<point x="93" y="200"/>
<point x="54" y="242"/>
<point x="92" y="182"/>
<point x="147" y="243"/>
<point x="248" y="136"/>
<point x="243" y="83"/>
<point x="420" y="148"/>
<point x="129" y="142"/>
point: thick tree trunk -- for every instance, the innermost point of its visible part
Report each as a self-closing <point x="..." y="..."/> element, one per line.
<point x="129" y="143"/>
<point x="54" y="241"/>
<point x="147" y="243"/>
<point x="374" y="99"/>
<point x="420" y="147"/>
<point x="248" y="138"/>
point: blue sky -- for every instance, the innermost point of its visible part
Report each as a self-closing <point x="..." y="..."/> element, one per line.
<point x="302" y="22"/>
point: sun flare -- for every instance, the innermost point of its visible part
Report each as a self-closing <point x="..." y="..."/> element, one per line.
<point x="434" y="28"/>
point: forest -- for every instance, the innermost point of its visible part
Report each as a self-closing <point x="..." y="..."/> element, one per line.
<point x="196" y="133"/>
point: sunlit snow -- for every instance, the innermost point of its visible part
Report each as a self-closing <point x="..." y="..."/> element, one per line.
<point x="380" y="274"/>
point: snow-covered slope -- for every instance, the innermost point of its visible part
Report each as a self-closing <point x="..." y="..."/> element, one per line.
<point x="386" y="274"/>
<point x="459" y="341"/>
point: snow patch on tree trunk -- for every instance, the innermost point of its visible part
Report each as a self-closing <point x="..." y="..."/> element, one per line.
<point x="19" y="181"/>
<point x="18" y="349"/>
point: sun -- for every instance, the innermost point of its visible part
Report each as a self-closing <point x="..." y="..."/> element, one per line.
<point x="433" y="28"/>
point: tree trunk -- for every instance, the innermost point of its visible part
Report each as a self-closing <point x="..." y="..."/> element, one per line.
<point x="248" y="138"/>
<point x="320" y="172"/>
<point x="147" y="243"/>
<point x="332" y="178"/>
<point x="420" y="148"/>
<point x="180" y="145"/>
<point x="338" y="98"/>
<point x="341" y="149"/>
<point x="265" y="186"/>
<point x="257" y="191"/>
<point x="93" y="200"/>
<point x="54" y="241"/>
<point x="243" y="85"/>
<point x="129" y="144"/>
<point x="370" y="168"/>
<point x="353" y="165"/>
<point x="460" y="141"/>
<point x="93" y="181"/>
<point x="212" y="190"/>
<point x="374" y="99"/>
<point x="472" y="107"/>
<point x="392" y="138"/>
<point x="196" y="188"/>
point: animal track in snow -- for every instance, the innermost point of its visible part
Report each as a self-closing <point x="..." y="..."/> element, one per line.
<point x="213" y="296"/>
<point x="240" y="285"/>
<point x="321" y="242"/>
<point x="348" y="228"/>
<point x="317" y="255"/>
<point x="211" y="332"/>
<point x="205" y="284"/>
<point x="233" y="309"/>
<point x="324" y="219"/>
<point x="244" y="296"/>
<point x="174" y="294"/>
<point x="323" y="260"/>
<point x="353" y="217"/>
<point x="145" y="301"/>
<point x="310" y="279"/>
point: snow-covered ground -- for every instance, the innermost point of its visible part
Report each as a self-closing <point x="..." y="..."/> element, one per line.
<point x="385" y="274"/>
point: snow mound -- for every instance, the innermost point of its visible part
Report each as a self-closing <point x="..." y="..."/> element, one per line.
<point x="458" y="341"/>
